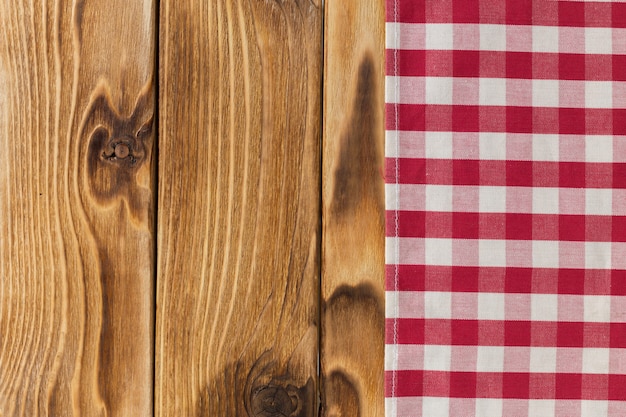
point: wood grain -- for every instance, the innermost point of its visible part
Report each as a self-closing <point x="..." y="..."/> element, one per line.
<point x="76" y="207"/>
<point x="352" y="289"/>
<point x="238" y="219"/>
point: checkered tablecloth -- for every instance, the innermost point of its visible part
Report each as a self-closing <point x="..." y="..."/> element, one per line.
<point x="506" y="208"/>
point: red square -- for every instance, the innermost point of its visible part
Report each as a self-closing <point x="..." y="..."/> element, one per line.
<point x="519" y="12"/>
<point x="490" y="333"/>
<point x="409" y="383"/>
<point x="572" y="66"/>
<point x="411" y="117"/>
<point x="597" y="120"/>
<point x="438" y="63"/>
<point x="598" y="14"/>
<point x="465" y="63"/>
<point x="464" y="225"/>
<point x="572" y="121"/>
<point x="569" y="334"/>
<point x="545" y="13"/>
<point x="515" y="385"/>
<point x="519" y="65"/>
<point x="410" y="331"/>
<point x="437" y="119"/>
<point x="596" y="334"/>
<point x="571" y="227"/>
<point x="412" y="171"/>
<point x="464" y="279"/>
<point x="465" y="119"/>
<point x="599" y="67"/>
<point x="572" y="174"/>
<point x="619" y="15"/>
<point x="595" y="386"/>
<point x="492" y="12"/>
<point x="408" y="12"/>
<point x="599" y="228"/>
<point x="517" y="333"/>
<point x="618" y="335"/>
<point x="465" y="11"/>
<point x="411" y="223"/>
<point x="519" y="173"/>
<point x="463" y="384"/>
<point x="616" y="387"/>
<point x="618" y="228"/>
<point x="410" y="277"/>
<point x="519" y="119"/>
<point x="619" y="175"/>
<point x="492" y="225"/>
<point x="519" y="226"/>
<point x="619" y="121"/>
<point x="492" y="64"/>
<point x="545" y="174"/>
<point x="518" y="280"/>
<point x="410" y="63"/>
<point x="568" y="386"/>
<point x="571" y="13"/>
<point x="465" y="172"/>
<point x="571" y="281"/>
<point x="492" y="119"/>
<point x="597" y="282"/>
<point x="465" y="332"/>
<point x="491" y="279"/>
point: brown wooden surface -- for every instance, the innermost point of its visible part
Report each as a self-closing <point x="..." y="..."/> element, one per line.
<point x="352" y="343"/>
<point x="238" y="217"/>
<point x="76" y="217"/>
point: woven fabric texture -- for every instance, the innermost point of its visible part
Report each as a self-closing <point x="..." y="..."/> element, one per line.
<point x="506" y="208"/>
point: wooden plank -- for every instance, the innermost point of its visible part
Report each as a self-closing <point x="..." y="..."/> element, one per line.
<point x="238" y="218"/>
<point x="76" y="208"/>
<point x="352" y="344"/>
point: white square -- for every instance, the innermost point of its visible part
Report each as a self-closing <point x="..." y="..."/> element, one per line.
<point x="598" y="201"/>
<point x="542" y="359"/>
<point x="545" y="254"/>
<point x="391" y="406"/>
<point x="492" y="91"/>
<point x="491" y="199"/>
<point x="541" y="408"/>
<point x="598" y="255"/>
<point x="438" y="197"/>
<point x="545" y="93"/>
<point x="594" y="408"/>
<point x="598" y="148"/>
<point x="438" y="90"/>
<point x="545" y="38"/>
<point x="492" y="37"/>
<point x="490" y="306"/>
<point x="490" y="359"/>
<point x="488" y="407"/>
<point x="435" y="406"/>
<point x="439" y="36"/>
<point x="438" y="251"/>
<point x="437" y="358"/>
<point x="598" y="94"/>
<point x="597" y="308"/>
<point x="492" y="146"/>
<point x="595" y="361"/>
<point x="545" y="200"/>
<point x="438" y="145"/>
<point x="437" y="305"/>
<point x="543" y="307"/>
<point x="545" y="147"/>
<point x="598" y="41"/>
<point x="492" y="253"/>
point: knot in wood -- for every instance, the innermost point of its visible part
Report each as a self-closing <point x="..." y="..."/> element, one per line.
<point x="274" y="401"/>
<point x="123" y="149"/>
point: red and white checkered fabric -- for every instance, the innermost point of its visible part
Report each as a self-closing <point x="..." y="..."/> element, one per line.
<point x="506" y="208"/>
